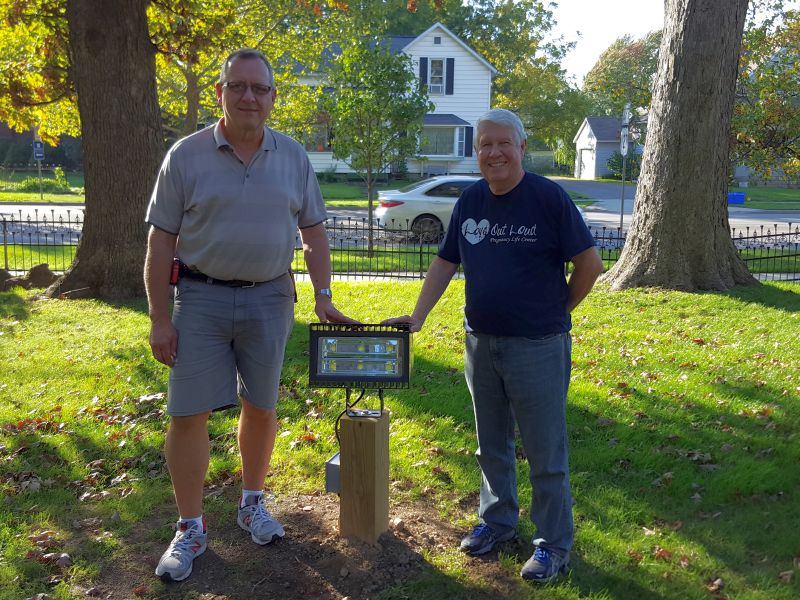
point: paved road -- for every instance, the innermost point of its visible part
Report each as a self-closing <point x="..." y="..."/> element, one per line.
<point x="605" y="211"/>
<point x="597" y="190"/>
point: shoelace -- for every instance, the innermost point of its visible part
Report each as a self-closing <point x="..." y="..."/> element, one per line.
<point x="541" y="555"/>
<point x="482" y="530"/>
<point x="184" y="541"/>
<point x="260" y="514"/>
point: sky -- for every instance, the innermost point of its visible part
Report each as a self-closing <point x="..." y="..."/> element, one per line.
<point x="600" y="23"/>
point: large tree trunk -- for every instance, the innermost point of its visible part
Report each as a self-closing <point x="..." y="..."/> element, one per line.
<point x="113" y="68"/>
<point x="680" y="236"/>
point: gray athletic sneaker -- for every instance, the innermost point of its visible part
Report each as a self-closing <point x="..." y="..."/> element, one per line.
<point x="545" y="565"/>
<point x="189" y="543"/>
<point x="255" y="518"/>
<point x="483" y="539"/>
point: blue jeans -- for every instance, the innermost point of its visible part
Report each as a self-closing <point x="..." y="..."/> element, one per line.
<point x="523" y="380"/>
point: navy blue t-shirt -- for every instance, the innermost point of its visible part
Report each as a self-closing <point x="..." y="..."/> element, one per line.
<point x="513" y="249"/>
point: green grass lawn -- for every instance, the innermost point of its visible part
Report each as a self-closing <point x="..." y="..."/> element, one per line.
<point x="8" y="179"/>
<point x="684" y="415"/>
<point x="34" y="198"/>
<point x="770" y="198"/>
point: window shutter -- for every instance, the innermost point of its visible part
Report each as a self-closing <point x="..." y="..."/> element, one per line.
<point x="468" y="141"/>
<point x="423" y="71"/>
<point x="448" y="86"/>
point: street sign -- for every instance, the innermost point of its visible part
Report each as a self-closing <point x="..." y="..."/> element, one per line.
<point x="38" y="150"/>
<point x="626" y="115"/>
<point x="623" y="140"/>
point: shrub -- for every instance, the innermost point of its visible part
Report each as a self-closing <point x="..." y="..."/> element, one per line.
<point x="632" y="166"/>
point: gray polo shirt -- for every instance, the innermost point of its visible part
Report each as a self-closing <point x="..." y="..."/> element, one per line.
<point x="236" y="221"/>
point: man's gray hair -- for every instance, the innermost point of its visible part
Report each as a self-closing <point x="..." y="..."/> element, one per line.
<point x="505" y="118"/>
<point x="245" y="53"/>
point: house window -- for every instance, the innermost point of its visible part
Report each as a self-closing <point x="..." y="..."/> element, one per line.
<point x="437" y="40"/>
<point x="443" y="141"/>
<point x="319" y="139"/>
<point x="436" y="76"/>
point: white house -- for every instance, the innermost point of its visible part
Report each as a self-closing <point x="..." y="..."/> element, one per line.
<point x="459" y="85"/>
<point x="597" y="139"/>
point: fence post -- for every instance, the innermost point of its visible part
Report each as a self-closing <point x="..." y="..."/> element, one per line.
<point x="5" y="243"/>
<point x="421" y="244"/>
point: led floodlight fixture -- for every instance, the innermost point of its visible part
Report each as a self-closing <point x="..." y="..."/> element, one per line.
<point x="359" y="356"/>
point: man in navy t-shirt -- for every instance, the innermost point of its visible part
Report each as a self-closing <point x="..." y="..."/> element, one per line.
<point x="513" y="232"/>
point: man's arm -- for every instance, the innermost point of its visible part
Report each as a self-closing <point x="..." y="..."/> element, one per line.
<point x="317" y="255"/>
<point x="436" y="281"/>
<point x="157" y="267"/>
<point x="587" y="267"/>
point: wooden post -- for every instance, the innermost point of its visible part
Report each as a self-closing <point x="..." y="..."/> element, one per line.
<point x="364" y="496"/>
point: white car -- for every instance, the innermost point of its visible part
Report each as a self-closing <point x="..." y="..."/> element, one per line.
<point x="424" y="207"/>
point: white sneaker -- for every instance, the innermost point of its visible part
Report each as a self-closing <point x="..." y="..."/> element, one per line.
<point x="255" y="518"/>
<point x="189" y="543"/>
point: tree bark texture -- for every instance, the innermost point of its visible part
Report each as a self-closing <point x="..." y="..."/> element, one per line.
<point x="680" y="235"/>
<point x="113" y="67"/>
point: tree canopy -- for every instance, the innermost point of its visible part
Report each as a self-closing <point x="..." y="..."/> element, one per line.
<point x="376" y="109"/>
<point x="624" y="73"/>
<point x="766" y="121"/>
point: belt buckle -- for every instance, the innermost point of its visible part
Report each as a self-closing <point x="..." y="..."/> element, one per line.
<point x="249" y="285"/>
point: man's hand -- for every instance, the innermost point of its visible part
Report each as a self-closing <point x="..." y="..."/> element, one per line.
<point x="164" y="341"/>
<point x="328" y="313"/>
<point x="415" y="324"/>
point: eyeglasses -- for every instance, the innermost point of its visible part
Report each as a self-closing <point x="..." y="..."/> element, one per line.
<point x="240" y="87"/>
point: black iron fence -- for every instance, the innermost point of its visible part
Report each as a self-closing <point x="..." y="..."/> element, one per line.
<point x="361" y="252"/>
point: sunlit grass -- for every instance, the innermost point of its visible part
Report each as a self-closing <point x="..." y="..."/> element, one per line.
<point x="683" y="420"/>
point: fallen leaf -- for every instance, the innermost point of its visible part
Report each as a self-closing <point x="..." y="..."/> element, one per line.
<point x="635" y="556"/>
<point x="140" y="590"/>
<point x="684" y="561"/>
<point x="786" y="576"/>
<point x="715" y="585"/>
<point x="660" y="553"/>
<point x="649" y="532"/>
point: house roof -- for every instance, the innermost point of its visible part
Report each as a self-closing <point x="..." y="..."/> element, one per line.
<point x="411" y="40"/>
<point x="443" y="119"/>
<point x="605" y="129"/>
<point x="396" y="44"/>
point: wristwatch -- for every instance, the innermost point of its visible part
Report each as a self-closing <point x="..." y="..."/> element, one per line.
<point x="324" y="292"/>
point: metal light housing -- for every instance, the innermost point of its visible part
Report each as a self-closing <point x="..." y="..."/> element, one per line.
<point x="364" y="356"/>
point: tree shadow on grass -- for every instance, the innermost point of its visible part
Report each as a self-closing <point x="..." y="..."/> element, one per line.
<point x="13" y="306"/>
<point x="771" y="296"/>
<point x="715" y="479"/>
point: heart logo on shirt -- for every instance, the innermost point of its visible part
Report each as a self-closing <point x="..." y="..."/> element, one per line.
<point x="474" y="232"/>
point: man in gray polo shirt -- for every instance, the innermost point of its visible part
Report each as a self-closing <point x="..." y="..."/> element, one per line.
<point x="227" y="203"/>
